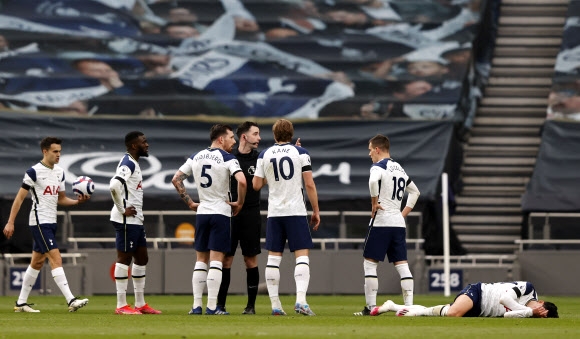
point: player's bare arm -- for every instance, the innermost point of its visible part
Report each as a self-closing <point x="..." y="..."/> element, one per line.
<point x="63" y="200"/>
<point x="177" y="182"/>
<point x="313" y="198"/>
<point x="242" y="188"/>
<point x="9" y="228"/>
<point x="258" y="183"/>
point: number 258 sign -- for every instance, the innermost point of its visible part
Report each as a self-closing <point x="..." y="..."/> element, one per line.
<point x="437" y="280"/>
<point x="17" y="276"/>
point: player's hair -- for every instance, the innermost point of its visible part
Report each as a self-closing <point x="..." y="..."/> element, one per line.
<point x="283" y="130"/>
<point x="131" y="137"/>
<point x="218" y="130"/>
<point x="244" y="127"/>
<point x="381" y="142"/>
<point x="552" y="309"/>
<point x="46" y="142"/>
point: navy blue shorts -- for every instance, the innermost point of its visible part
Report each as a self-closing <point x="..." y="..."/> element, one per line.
<point x="293" y="228"/>
<point x="386" y="241"/>
<point x="473" y="291"/>
<point x="129" y="237"/>
<point x="246" y="230"/>
<point x="212" y="232"/>
<point x="43" y="237"/>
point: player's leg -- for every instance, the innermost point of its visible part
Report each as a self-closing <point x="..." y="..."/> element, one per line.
<point x="199" y="277"/>
<point x="29" y="279"/>
<point x="124" y="257"/>
<point x="390" y="306"/>
<point x="300" y="242"/>
<point x="275" y="241"/>
<point x="138" y="275"/>
<point x="397" y="254"/>
<point x="250" y="244"/>
<point x="374" y="251"/>
<point x="219" y="245"/>
<point x="237" y="225"/>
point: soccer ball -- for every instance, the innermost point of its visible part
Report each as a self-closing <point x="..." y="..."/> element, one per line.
<point x="83" y="185"/>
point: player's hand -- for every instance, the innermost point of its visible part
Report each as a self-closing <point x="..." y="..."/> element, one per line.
<point x="193" y="205"/>
<point x="539" y="312"/>
<point x="130" y="211"/>
<point x="298" y="143"/>
<point x="9" y="230"/>
<point x="236" y="207"/>
<point x="82" y="198"/>
<point x="376" y="207"/>
<point x="315" y="221"/>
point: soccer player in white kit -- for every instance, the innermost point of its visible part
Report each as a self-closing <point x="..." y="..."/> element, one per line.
<point x="283" y="167"/>
<point x="517" y="299"/>
<point x="127" y="217"/>
<point x="46" y="183"/>
<point x="387" y="230"/>
<point x="211" y="169"/>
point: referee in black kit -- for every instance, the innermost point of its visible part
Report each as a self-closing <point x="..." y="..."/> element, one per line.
<point x="246" y="226"/>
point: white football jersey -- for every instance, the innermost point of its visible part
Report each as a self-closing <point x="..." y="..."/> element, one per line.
<point x="43" y="183"/>
<point x="212" y="169"/>
<point x="129" y="173"/>
<point x="392" y="183"/>
<point x="282" y="166"/>
<point x="491" y="293"/>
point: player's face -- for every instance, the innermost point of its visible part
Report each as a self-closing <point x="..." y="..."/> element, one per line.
<point x="142" y="146"/>
<point x="52" y="155"/>
<point x="229" y="141"/>
<point x="253" y="137"/>
<point x="373" y="153"/>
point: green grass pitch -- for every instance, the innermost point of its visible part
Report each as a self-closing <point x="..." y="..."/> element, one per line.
<point x="334" y="320"/>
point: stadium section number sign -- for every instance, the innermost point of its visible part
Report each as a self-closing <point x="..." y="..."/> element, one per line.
<point x="437" y="280"/>
<point x="16" y="277"/>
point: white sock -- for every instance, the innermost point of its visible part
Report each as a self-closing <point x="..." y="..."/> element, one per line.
<point x="302" y="278"/>
<point x="435" y="311"/>
<point x="371" y="283"/>
<point x="27" y="282"/>
<point x="214" y="280"/>
<point x="121" y="281"/>
<point x="406" y="283"/>
<point x="199" y="281"/>
<point x="60" y="280"/>
<point x="138" y="276"/>
<point x="273" y="280"/>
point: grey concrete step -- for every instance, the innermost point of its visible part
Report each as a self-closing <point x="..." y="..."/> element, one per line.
<point x="523" y="61"/>
<point x="501" y="150"/>
<point x="487" y="201"/>
<point x="508" y="121"/>
<point x="551" y="41"/>
<point x="499" y="161"/>
<point x="515" y="101"/>
<point x="534" y="11"/>
<point x="486" y="219"/>
<point x="523" y="71"/>
<point x="536" y="21"/>
<point x="535" y="2"/>
<point x="496" y="170"/>
<point x="526" y="51"/>
<point x="482" y="229"/>
<point x="520" y="141"/>
<point x="505" y="130"/>
<point x="509" y="81"/>
<point x="527" y="31"/>
<point x="509" y="111"/>
<point x="478" y="238"/>
<point x="493" y="190"/>
<point x="496" y="180"/>
<point x="480" y="248"/>
<point x="510" y="91"/>
<point x="498" y="210"/>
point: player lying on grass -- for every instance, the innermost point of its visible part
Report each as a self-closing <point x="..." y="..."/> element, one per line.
<point x="516" y="299"/>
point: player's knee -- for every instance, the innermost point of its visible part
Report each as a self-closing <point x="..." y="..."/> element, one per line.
<point x="454" y="312"/>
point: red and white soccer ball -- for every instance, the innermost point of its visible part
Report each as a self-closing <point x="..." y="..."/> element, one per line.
<point x="83" y="185"/>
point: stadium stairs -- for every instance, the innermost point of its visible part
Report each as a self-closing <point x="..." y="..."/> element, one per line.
<point x="501" y="151"/>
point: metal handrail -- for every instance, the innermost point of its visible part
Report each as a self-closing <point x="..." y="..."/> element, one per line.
<point x="547" y="215"/>
<point x="522" y="242"/>
<point x="13" y="256"/>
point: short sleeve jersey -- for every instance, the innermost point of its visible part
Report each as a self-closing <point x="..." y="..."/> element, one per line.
<point x="392" y="181"/>
<point x="212" y="169"/>
<point x="129" y="173"/>
<point x="282" y="166"/>
<point x="44" y="184"/>
<point x="491" y="294"/>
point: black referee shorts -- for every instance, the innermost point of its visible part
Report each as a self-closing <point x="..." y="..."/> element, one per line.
<point x="246" y="230"/>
